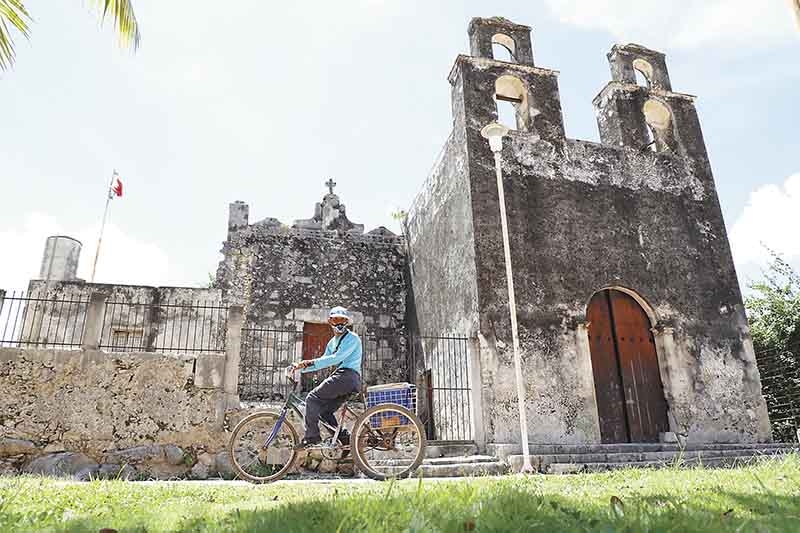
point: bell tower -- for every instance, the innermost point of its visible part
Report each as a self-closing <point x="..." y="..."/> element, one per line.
<point x="500" y="82"/>
<point x="639" y="109"/>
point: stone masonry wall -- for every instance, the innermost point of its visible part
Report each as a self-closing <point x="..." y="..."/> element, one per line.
<point x="63" y="412"/>
<point x="89" y="414"/>
<point x="275" y="274"/>
<point x="286" y="277"/>
<point x="442" y="251"/>
<point x="584" y="217"/>
<point x="445" y="292"/>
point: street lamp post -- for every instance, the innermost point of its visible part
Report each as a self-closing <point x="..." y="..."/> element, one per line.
<point x="494" y="133"/>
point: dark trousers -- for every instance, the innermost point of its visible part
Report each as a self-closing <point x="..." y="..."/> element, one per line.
<point x="327" y="397"/>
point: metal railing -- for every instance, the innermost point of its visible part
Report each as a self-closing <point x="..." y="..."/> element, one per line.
<point x="163" y="326"/>
<point x="266" y="352"/>
<point x="264" y="355"/>
<point x="780" y="385"/>
<point x="35" y="322"/>
<point x="444" y="388"/>
<point x="448" y="387"/>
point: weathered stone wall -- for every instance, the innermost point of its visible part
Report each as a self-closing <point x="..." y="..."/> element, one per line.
<point x="442" y="248"/>
<point x="286" y="277"/>
<point x="277" y="275"/>
<point x="90" y="414"/>
<point x="592" y="217"/>
<point x="75" y="410"/>
<point x="583" y="217"/>
<point x="445" y="293"/>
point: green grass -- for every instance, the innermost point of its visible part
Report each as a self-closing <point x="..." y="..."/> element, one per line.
<point x="762" y="497"/>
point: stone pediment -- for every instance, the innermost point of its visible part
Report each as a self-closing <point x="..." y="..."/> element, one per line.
<point x="381" y="231"/>
<point x="329" y="214"/>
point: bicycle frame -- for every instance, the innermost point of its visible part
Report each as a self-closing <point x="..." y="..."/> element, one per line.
<point x="295" y="403"/>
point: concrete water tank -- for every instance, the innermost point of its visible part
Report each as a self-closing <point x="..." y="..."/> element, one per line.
<point x="60" y="259"/>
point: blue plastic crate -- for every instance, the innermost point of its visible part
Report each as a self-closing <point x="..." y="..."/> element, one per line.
<point x="403" y="394"/>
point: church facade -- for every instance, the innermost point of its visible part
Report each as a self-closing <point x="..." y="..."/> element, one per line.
<point x="632" y="327"/>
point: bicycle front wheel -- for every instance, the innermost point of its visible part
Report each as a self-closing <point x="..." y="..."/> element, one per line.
<point x="388" y="441"/>
<point x="262" y="447"/>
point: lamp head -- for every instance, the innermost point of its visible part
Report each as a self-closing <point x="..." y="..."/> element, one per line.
<point x="494" y="133"/>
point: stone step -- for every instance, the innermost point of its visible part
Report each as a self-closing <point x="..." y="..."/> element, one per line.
<point x="464" y="466"/>
<point x="487" y="468"/>
<point x="543" y="462"/>
<point x="503" y="451"/>
<point x="449" y="449"/>
<point x="667" y="456"/>
<point x="442" y="461"/>
<point x="716" y="462"/>
<point x="491" y="468"/>
<point x="460" y="460"/>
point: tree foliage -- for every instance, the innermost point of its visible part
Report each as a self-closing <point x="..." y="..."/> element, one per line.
<point x="774" y="313"/>
<point x="774" y="307"/>
<point x="14" y="17"/>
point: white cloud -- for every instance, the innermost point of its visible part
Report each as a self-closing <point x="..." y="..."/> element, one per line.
<point x="683" y="23"/>
<point x="771" y="217"/>
<point x="124" y="259"/>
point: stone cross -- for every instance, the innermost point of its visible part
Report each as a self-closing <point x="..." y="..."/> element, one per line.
<point x="331" y="184"/>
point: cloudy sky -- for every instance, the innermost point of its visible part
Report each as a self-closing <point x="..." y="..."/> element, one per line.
<point x="264" y="101"/>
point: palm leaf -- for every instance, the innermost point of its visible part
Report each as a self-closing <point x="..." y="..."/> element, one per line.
<point x="796" y="4"/>
<point x="124" y="20"/>
<point x="12" y="16"/>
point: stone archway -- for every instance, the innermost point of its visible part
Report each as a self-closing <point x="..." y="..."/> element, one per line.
<point x="627" y="380"/>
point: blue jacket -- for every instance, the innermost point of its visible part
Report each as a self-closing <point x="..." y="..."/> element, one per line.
<point x="347" y="356"/>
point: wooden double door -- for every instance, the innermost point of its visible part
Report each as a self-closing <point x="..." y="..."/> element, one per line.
<point x="627" y="381"/>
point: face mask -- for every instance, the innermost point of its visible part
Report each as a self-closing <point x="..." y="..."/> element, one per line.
<point x="340" y="328"/>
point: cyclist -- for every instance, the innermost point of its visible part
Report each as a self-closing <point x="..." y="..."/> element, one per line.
<point x="344" y="350"/>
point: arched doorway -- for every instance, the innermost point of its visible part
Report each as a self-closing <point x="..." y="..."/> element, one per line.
<point x="627" y="382"/>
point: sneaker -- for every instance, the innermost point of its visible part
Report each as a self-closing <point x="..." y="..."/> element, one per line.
<point x="308" y="443"/>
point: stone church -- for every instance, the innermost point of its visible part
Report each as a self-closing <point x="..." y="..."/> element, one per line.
<point x="631" y="322"/>
<point x="630" y="314"/>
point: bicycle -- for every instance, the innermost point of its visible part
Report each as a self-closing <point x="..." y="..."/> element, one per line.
<point x="389" y="440"/>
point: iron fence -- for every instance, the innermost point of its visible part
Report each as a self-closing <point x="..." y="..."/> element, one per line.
<point x="164" y="326"/>
<point x="446" y="379"/>
<point x="780" y="385"/>
<point x="444" y="390"/>
<point x="266" y="352"/>
<point x="264" y="355"/>
<point x="34" y="322"/>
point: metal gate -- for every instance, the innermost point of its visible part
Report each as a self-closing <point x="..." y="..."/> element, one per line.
<point x="266" y="352"/>
<point x="264" y="356"/>
<point x="438" y="366"/>
<point x="447" y="386"/>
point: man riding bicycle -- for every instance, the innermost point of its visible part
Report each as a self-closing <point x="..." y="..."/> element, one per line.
<point x="345" y="350"/>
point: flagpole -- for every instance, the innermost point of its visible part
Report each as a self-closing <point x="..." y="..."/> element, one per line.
<point x="102" y="226"/>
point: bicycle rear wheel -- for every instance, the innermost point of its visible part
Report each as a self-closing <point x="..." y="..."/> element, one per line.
<point x="250" y="455"/>
<point x="388" y="441"/>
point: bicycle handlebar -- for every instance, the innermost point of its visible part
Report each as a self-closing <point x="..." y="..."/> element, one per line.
<point x="289" y="374"/>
